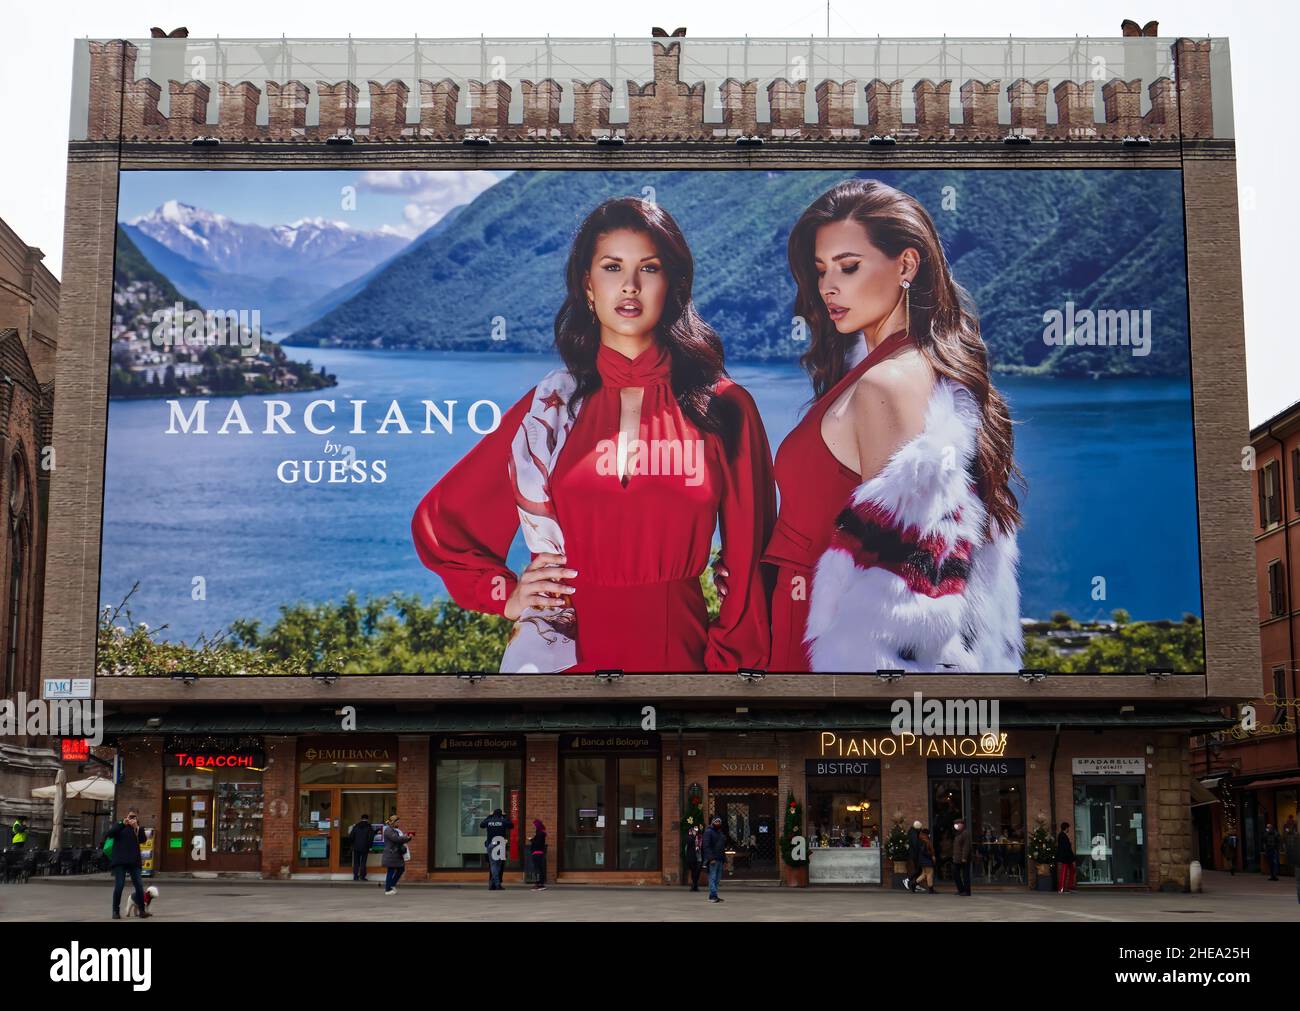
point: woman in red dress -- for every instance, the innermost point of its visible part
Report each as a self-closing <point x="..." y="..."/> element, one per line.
<point x="620" y="466"/>
<point x="895" y="546"/>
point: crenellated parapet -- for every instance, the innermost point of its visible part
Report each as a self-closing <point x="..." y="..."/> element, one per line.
<point x="661" y="103"/>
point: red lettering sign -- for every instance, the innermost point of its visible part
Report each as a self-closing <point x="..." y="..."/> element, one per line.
<point x="76" y="749"/>
<point x="187" y="761"/>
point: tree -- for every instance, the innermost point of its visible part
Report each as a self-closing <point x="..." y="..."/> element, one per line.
<point x="793" y="830"/>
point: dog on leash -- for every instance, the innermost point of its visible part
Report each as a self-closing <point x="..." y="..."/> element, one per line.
<point x="132" y="909"/>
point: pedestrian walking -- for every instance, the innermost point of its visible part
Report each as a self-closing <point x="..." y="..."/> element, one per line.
<point x="394" y="859"/>
<point x="1229" y="851"/>
<point x="1292" y="842"/>
<point x="18" y="833"/>
<point x="695" y="854"/>
<point x="913" y="856"/>
<point x="127" y="835"/>
<point x="961" y="856"/>
<point x="1272" y="849"/>
<point x="362" y="837"/>
<point x="713" y="850"/>
<point x="497" y="826"/>
<point x="926" y="859"/>
<point x="537" y="850"/>
<point x="1064" y="860"/>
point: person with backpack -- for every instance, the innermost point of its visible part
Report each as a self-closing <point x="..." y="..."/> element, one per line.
<point x="122" y="843"/>
<point x="362" y="837"/>
<point x="537" y="850"/>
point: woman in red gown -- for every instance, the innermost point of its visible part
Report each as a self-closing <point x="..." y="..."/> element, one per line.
<point x="895" y="547"/>
<point x="637" y="450"/>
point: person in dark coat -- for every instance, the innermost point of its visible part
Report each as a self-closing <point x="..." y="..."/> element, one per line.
<point x="1272" y="850"/>
<point x="695" y="855"/>
<point x="498" y="827"/>
<point x="1291" y="840"/>
<point x="961" y="855"/>
<point x="1064" y="861"/>
<point x="926" y="859"/>
<point x="127" y="835"/>
<point x="394" y="858"/>
<point x="537" y="850"/>
<point x="713" y="851"/>
<point x="913" y="856"/>
<point x="362" y="836"/>
<point x="1229" y="851"/>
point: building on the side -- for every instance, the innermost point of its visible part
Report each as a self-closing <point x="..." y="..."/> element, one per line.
<point x="1251" y="771"/>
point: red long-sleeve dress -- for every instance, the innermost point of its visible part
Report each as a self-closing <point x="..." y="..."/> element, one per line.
<point x="814" y="488"/>
<point x="639" y="548"/>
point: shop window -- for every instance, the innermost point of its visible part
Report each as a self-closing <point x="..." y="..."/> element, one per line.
<point x="843" y="812"/>
<point x="611" y="813"/>
<point x="994" y="807"/>
<point x="467" y="791"/>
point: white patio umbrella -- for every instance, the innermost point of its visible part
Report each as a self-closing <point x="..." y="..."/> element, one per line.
<point x="91" y="788"/>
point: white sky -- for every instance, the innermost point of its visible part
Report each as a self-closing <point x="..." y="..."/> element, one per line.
<point x="39" y="55"/>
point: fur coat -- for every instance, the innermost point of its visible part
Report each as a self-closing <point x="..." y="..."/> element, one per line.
<point x="910" y="580"/>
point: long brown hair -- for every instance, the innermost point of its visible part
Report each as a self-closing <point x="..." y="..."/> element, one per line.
<point x="697" y="356"/>
<point x="944" y="322"/>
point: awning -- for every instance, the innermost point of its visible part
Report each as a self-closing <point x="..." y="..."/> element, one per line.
<point x="1201" y="793"/>
<point x="94" y="788"/>
<point x="1268" y="783"/>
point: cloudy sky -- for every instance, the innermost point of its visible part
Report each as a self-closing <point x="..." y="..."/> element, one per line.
<point x="38" y="67"/>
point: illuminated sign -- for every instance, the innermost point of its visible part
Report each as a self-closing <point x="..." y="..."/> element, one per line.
<point x="609" y="742"/>
<point x="190" y="760"/>
<point x="482" y="742"/>
<point x="76" y="749"/>
<point x="841" y="767"/>
<point x="944" y="769"/>
<point x="743" y="767"/>
<point x="1108" y="766"/>
<point x="887" y="746"/>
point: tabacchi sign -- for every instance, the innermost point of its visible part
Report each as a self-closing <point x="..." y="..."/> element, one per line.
<point x="985" y="746"/>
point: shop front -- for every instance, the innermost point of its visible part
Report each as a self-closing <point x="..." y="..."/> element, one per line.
<point x="743" y="793"/>
<point x="990" y="794"/>
<point x="473" y="775"/>
<point x="1109" y="820"/>
<point x="339" y="780"/>
<point x="212" y="804"/>
<point x="843" y="814"/>
<point x="609" y="802"/>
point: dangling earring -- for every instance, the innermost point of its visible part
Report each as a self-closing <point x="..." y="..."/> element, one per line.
<point x="591" y="308"/>
<point x="907" y="306"/>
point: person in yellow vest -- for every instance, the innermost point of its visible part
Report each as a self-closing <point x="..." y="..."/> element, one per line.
<point x="18" y="834"/>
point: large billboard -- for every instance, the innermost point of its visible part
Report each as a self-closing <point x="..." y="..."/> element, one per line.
<point x="936" y="421"/>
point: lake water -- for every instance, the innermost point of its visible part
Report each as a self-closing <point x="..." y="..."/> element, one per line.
<point x="1109" y="467"/>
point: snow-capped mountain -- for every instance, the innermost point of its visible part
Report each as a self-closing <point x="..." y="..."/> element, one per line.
<point x="234" y="247"/>
<point x="280" y="269"/>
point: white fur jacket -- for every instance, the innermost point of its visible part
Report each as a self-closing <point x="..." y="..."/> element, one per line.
<point x="910" y="581"/>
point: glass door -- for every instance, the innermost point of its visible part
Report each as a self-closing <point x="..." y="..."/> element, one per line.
<point x="352" y="805"/>
<point x="948" y="799"/>
<point x="318" y="830"/>
<point x="188" y="828"/>
<point x="584" y="814"/>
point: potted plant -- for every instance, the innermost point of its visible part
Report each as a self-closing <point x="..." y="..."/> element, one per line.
<point x="1042" y="851"/>
<point x="795" y="870"/>
<point x="897" y="847"/>
<point x="694" y="818"/>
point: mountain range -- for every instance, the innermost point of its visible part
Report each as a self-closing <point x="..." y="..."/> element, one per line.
<point x="1023" y="242"/>
<point x="286" y="271"/>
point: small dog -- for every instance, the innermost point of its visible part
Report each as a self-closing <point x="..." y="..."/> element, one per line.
<point x="132" y="909"/>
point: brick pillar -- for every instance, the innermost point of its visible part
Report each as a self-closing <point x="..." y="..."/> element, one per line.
<point x="1123" y="107"/>
<point x="338" y="107"/>
<point x="1028" y="107"/>
<point x="388" y="109"/>
<point x="413" y="776"/>
<point x="438" y="107"/>
<point x="591" y="100"/>
<point x="541" y="107"/>
<point x="835" y="101"/>
<point x="110" y="63"/>
<point x="1162" y="119"/>
<point x="1169" y="838"/>
<point x="237" y="113"/>
<point x="979" y="107"/>
<point x="189" y="108"/>
<point x="279" y="805"/>
<point x="489" y="105"/>
<point x="785" y="100"/>
<point x="140" y="114"/>
<point x="542" y="793"/>
<point x="931" y="101"/>
<point x="1074" y="112"/>
<point x="142" y="788"/>
<point x="885" y="106"/>
<point x="286" y="109"/>
<point x="1192" y="72"/>
<point x="670" y="803"/>
<point x="739" y="105"/>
